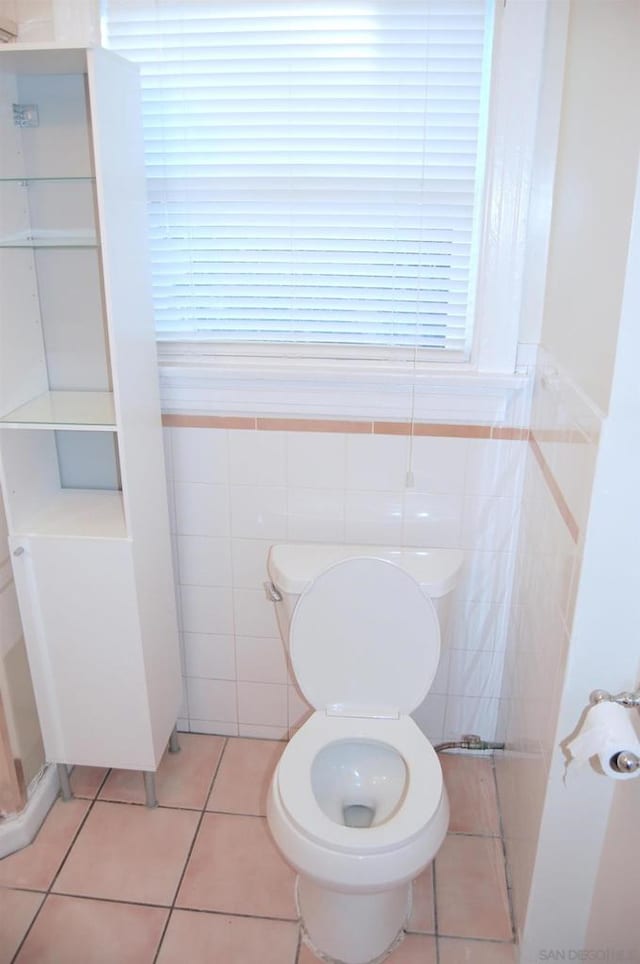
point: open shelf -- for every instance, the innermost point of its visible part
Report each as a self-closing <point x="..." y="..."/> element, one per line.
<point x="25" y="179"/>
<point x="50" y="241"/>
<point x="78" y="513"/>
<point x="73" y="411"/>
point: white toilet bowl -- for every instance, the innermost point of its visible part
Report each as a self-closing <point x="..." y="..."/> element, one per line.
<point x="357" y="803"/>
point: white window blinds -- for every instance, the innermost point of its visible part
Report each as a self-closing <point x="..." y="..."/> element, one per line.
<point x="313" y="166"/>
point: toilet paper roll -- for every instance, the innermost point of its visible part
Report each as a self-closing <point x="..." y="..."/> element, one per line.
<point x="606" y="731"/>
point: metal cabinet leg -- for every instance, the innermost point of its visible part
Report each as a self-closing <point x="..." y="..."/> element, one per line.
<point x="65" y="783"/>
<point x="150" y="788"/>
<point x="174" y="746"/>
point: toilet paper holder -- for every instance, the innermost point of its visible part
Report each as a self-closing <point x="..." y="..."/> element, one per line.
<point x="626" y="761"/>
<point x="624" y="699"/>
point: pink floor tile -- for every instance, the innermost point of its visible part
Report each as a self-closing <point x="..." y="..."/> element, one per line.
<point x="183" y="779"/>
<point x="471" y="892"/>
<point x="36" y="865"/>
<point x="235" y="868"/>
<point x="472" y="794"/>
<point x="203" y="938"/>
<point x="129" y="853"/>
<point x="71" y="930"/>
<point x="17" y="910"/>
<point x="422" y="917"/>
<point x="475" y="952"/>
<point x="306" y="956"/>
<point x="415" y="949"/>
<point x="243" y="778"/>
<point x="86" y="781"/>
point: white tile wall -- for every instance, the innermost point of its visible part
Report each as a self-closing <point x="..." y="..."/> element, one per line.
<point x="261" y="659"/>
<point x="236" y="492"/>
<point x="202" y="510"/>
<point x="377" y="463"/>
<point x="207" y="656"/>
<point x="257" y="458"/>
<point x="200" y="455"/>
<point x="316" y="460"/>
<point x="263" y="703"/>
<point x="316" y="515"/>
<point x="203" y="561"/>
<point x="211" y="700"/>
<point x="432" y="519"/>
<point x="207" y="609"/>
<point x="539" y="621"/>
<point x="258" y="512"/>
<point x="373" y="517"/>
<point x="440" y="464"/>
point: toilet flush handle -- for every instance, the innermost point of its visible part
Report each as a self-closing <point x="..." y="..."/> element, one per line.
<point x="271" y="592"/>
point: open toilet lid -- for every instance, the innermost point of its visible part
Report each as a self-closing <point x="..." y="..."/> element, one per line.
<point x="365" y="637"/>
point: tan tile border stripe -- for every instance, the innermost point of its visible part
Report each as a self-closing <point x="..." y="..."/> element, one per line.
<point x="375" y="427"/>
<point x="555" y="490"/>
<point x="340" y="426"/>
<point x="209" y="421"/>
<point x="345" y="426"/>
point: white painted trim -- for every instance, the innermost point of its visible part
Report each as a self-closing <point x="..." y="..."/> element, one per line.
<point x="18" y="830"/>
<point x="209" y="378"/>
<point x="517" y="73"/>
<point x="527" y="358"/>
<point x="219" y="384"/>
<point x="603" y="654"/>
<point x="518" y="59"/>
<point x="544" y="171"/>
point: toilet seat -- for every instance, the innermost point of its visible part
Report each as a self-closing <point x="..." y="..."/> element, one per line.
<point x="365" y="639"/>
<point x="423" y="793"/>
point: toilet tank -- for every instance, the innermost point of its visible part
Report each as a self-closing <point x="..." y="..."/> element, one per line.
<point x="292" y="566"/>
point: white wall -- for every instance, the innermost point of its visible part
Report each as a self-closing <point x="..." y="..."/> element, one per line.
<point x="236" y="491"/>
<point x="567" y="581"/>
<point x="555" y="505"/>
<point x="595" y="181"/>
<point x="603" y="654"/>
<point x="614" y="907"/>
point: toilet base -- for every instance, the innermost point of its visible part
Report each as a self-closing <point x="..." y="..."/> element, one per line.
<point x="352" y="928"/>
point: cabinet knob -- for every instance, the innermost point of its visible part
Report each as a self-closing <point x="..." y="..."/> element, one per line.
<point x="19" y="551"/>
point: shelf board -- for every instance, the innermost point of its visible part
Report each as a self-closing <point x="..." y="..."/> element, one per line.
<point x="44" y="58"/>
<point x="53" y="179"/>
<point x="72" y="411"/>
<point x="79" y="513"/>
<point x="50" y="240"/>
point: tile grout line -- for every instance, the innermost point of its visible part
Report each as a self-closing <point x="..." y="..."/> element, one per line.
<point x="230" y="521"/>
<point x="203" y="810"/>
<point x="500" y="837"/>
<point x="47" y="892"/>
<point x="435" y="909"/>
<point x="477" y="940"/>
<point x="142" y="903"/>
<point x="190" y="851"/>
<point x="507" y="874"/>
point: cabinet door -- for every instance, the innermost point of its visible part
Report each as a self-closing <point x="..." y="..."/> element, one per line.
<point x="78" y="603"/>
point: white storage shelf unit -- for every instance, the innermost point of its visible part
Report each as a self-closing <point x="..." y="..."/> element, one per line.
<point x="80" y="434"/>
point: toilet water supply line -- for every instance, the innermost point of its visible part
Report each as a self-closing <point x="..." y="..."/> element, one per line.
<point x="470" y="741"/>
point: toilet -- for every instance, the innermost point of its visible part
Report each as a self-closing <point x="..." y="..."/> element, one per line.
<point x="357" y="803"/>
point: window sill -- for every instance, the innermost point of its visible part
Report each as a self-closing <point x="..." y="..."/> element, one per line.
<point x="200" y="382"/>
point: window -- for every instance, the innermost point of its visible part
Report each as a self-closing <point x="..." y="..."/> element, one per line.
<point x="314" y="168"/>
